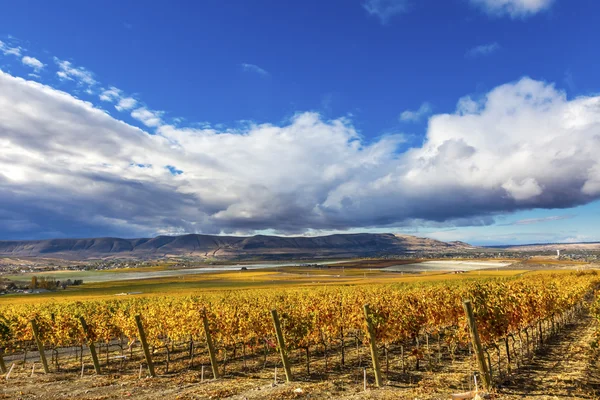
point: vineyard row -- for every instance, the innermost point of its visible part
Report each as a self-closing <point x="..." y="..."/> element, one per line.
<point x="312" y="318"/>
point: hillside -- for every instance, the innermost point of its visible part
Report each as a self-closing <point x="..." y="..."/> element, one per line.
<point x="229" y="247"/>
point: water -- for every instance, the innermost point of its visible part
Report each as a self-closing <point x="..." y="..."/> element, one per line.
<point x="107" y="275"/>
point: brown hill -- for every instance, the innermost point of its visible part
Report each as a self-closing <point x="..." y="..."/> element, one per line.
<point x="229" y="247"/>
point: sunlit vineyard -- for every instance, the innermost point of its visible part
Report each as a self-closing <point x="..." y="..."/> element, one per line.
<point x="318" y="320"/>
<point x="595" y="311"/>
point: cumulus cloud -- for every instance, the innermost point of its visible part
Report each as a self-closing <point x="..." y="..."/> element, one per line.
<point x="482" y="50"/>
<point x="80" y="75"/>
<point x="416" y="115"/>
<point x="255" y="69"/>
<point x="33" y="62"/>
<point x="68" y="168"/>
<point x="385" y="9"/>
<point x="513" y="8"/>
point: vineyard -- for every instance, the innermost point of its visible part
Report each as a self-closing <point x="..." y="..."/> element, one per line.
<point x="325" y="329"/>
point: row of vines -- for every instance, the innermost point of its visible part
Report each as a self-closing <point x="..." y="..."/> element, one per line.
<point x="320" y="317"/>
<point x="595" y="311"/>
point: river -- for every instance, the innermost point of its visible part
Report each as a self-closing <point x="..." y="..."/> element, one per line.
<point x="108" y="275"/>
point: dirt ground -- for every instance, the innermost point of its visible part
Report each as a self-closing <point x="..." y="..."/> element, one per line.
<point x="565" y="368"/>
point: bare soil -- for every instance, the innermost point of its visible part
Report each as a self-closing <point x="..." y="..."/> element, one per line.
<point x="566" y="368"/>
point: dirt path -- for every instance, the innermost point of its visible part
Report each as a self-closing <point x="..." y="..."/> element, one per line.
<point x="565" y="369"/>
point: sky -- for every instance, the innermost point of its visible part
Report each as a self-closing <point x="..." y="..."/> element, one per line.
<point x="472" y="120"/>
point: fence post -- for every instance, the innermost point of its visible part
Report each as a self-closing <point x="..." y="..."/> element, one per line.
<point x="282" y="349"/>
<point x="483" y="368"/>
<point x="211" y="347"/>
<point x="373" y="345"/>
<point x="91" y="345"/>
<point x="138" y="322"/>
<point x="2" y="365"/>
<point x="10" y="371"/>
<point x="40" y="346"/>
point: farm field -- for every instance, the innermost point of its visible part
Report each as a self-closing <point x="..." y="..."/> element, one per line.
<point x="197" y="280"/>
<point x="426" y="358"/>
<point x="148" y="272"/>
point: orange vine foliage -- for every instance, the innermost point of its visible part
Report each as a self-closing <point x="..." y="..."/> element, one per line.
<point x="309" y="317"/>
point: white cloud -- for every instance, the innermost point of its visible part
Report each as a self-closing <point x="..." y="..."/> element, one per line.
<point x="254" y="68"/>
<point x="524" y="190"/>
<point x="385" y="9"/>
<point x="126" y="103"/>
<point x="33" y="62"/>
<point x="482" y="50"/>
<point x="70" y="168"/>
<point x="78" y="74"/>
<point x="415" y="116"/>
<point x="513" y="8"/>
<point x="147" y="117"/>
<point x="111" y="94"/>
<point x="577" y="239"/>
<point x="15" y="51"/>
<point x="7" y="50"/>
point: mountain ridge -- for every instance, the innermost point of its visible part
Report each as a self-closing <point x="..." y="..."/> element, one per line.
<point x="227" y="247"/>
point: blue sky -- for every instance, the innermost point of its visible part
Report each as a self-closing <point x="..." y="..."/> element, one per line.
<point x="301" y="117"/>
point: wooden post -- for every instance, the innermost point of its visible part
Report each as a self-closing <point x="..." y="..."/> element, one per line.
<point x="138" y="322"/>
<point x="282" y="349"/>
<point x="91" y="345"/>
<point x="373" y="345"/>
<point x="211" y="347"/>
<point x="483" y="368"/>
<point x="10" y="371"/>
<point x="2" y="365"/>
<point x="40" y="346"/>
